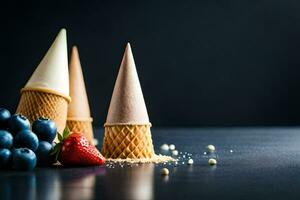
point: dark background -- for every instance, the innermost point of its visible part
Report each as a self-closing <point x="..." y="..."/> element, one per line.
<point x="201" y="63"/>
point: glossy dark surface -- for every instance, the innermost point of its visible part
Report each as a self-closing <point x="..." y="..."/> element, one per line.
<point x="264" y="164"/>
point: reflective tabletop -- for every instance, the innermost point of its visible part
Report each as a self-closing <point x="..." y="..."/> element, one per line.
<point x="253" y="163"/>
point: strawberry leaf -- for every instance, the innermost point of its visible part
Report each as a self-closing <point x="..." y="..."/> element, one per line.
<point x="57" y="148"/>
<point x="66" y="132"/>
<point x="60" y="138"/>
<point x="56" y="151"/>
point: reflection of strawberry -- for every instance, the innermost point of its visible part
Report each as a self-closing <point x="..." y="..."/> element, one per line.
<point x="75" y="150"/>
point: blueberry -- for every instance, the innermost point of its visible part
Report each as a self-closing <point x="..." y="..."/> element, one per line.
<point x="4" y="118"/>
<point x="6" y="139"/>
<point x="18" y="123"/>
<point x="23" y="159"/>
<point x="5" y="158"/>
<point x="43" y="154"/>
<point x="26" y="138"/>
<point x="45" y="129"/>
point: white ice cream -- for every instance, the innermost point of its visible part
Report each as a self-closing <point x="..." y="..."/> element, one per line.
<point x="52" y="72"/>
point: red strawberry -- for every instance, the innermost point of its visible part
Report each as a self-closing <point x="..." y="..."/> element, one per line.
<point x="75" y="150"/>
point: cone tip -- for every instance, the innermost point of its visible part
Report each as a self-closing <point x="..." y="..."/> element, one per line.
<point x="63" y="31"/>
<point x="61" y="38"/>
<point x="128" y="54"/>
<point x="74" y="49"/>
<point x="128" y="48"/>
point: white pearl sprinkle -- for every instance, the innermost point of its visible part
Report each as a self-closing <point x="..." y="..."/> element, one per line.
<point x="164" y="147"/>
<point x="211" y="148"/>
<point x="212" y="161"/>
<point x="164" y="171"/>
<point x="231" y="151"/>
<point x="204" y="153"/>
<point x="95" y="141"/>
<point x="175" y="153"/>
<point x="190" y="162"/>
<point x="172" y="147"/>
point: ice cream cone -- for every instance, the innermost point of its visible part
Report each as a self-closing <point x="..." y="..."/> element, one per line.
<point x="127" y="129"/>
<point x="46" y="94"/>
<point x="79" y="116"/>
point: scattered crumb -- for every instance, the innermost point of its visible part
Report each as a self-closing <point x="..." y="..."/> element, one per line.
<point x="154" y="159"/>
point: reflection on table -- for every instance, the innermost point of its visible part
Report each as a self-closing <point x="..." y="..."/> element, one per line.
<point x="134" y="183"/>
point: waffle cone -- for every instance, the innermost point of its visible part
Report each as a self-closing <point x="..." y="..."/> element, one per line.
<point x="127" y="135"/>
<point x="128" y="141"/>
<point x="35" y="103"/>
<point x="83" y="126"/>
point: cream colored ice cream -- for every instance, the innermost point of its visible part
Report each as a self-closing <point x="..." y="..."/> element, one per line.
<point x="79" y="116"/>
<point x="127" y="104"/>
<point x="52" y="72"/>
<point x="79" y="107"/>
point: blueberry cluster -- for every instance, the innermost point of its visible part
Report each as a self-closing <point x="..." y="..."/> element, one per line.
<point x="23" y="147"/>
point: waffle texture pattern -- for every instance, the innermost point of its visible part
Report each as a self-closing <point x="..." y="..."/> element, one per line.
<point x="35" y="104"/>
<point x="128" y="141"/>
<point x="82" y="126"/>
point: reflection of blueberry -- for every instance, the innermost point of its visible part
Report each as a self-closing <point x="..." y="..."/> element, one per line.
<point x="43" y="154"/>
<point x="26" y="138"/>
<point x="45" y="129"/>
<point x="17" y="123"/>
<point x="6" y="139"/>
<point x="4" y="118"/>
<point x="5" y="158"/>
<point x="20" y="186"/>
<point x="23" y="159"/>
